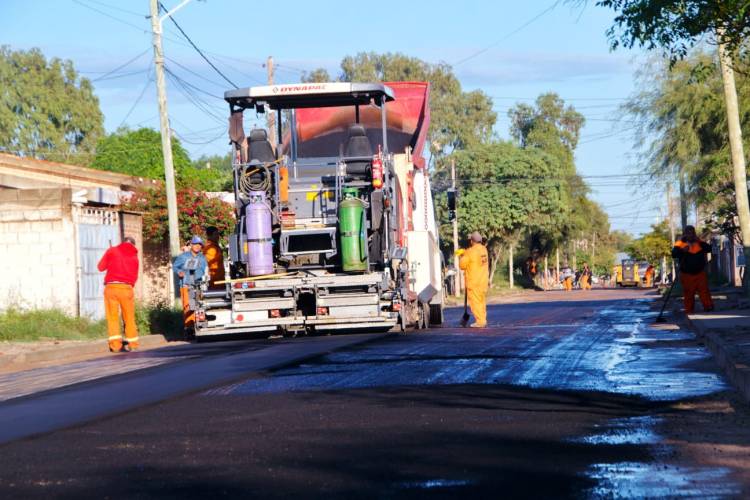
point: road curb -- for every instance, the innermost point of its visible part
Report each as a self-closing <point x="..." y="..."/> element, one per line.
<point x="74" y="351"/>
<point x="725" y="355"/>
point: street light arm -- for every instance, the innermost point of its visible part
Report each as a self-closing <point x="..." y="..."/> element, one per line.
<point x="171" y="12"/>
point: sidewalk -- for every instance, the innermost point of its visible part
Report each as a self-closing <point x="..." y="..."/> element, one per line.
<point x="726" y="332"/>
<point x="21" y="356"/>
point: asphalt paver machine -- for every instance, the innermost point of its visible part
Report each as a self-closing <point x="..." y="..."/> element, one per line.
<point x="335" y="223"/>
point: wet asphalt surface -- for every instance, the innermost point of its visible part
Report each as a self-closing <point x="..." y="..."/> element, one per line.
<point x="564" y="395"/>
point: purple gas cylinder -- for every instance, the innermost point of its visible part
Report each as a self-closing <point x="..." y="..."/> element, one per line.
<point x="259" y="238"/>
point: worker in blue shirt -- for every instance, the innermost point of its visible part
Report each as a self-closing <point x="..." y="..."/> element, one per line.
<point x="191" y="267"/>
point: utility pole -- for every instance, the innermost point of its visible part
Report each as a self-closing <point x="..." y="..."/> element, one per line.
<point x="671" y="221"/>
<point x="166" y="138"/>
<point x="458" y="279"/>
<point x="510" y="265"/>
<point x="683" y="200"/>
<point x="593" y="248"/>
<point x="546" y="273"/>
<point x="271" y="116"/>
<point x="735" y="143"/>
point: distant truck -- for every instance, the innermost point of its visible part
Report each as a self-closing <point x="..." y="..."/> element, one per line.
<point x="335" y="224"/>
<point x="628" y="273"/>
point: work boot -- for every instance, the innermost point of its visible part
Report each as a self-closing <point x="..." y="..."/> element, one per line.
<point x="131" y="347"/>
<point x="115" y="347"/>
<point x="477" y="325"/>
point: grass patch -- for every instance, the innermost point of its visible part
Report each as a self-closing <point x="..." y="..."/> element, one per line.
<point x="54" y="324"/>
<point x="160" y="319"/>
<point x="39" y="324"/>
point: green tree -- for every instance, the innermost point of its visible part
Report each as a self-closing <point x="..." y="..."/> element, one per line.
<point x="197" y="211"/>
<point x="681" y="123"/>
<point x="458" y="119"/>
<point x="319" y="75"/>
<point x="221" y="167"/>
<point x="652" y="246"/>
<point x="551" y="126"/>
<point x="46" y="110"/>
<point x="138" y="153"/>
<point x="500" y="198"/>
<point x="674" y="27"/>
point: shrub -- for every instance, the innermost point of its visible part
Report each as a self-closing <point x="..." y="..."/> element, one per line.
<point x="27" y="326"/>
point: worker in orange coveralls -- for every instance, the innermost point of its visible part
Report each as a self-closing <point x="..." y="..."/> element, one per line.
<point x="566" y="276"/>
<point x="214" y="256"/>
<point x="691" y="252"/>
<point x="586" y="277"/>
<point x="649" y="276"/>
<point x="121" y="265"/>
<point x="475" y="265"/>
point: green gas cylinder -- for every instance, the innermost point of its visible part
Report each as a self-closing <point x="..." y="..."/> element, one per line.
<point x="353" y="232"/>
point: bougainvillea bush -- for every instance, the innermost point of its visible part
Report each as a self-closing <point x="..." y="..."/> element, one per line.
<point x="196" y="211"/>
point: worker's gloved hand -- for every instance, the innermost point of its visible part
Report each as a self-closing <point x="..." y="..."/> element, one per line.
<point x="460" y="252"/>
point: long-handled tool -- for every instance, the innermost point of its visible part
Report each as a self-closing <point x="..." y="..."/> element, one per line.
<point x="465" y="317"/>
<point x="660" y="317"/>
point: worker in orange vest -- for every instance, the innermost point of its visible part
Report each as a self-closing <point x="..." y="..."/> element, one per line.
<point x="214" y="256"/>
<point x="586" y="275"/>
<point x="691" y="252"/>
<point x="649" y="276"/>
<point x="121" y="265"/>
<point x="475" y="265"/>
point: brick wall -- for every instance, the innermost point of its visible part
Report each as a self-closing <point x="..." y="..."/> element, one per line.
<point x="155" y="260"/>
<point x="38" y="250"/>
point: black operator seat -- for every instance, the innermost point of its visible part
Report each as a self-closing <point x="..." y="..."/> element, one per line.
<point x="357" y="146"/>
<point x="259" y="147"/>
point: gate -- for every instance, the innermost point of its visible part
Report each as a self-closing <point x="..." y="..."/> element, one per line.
<point x="98" y="229"/>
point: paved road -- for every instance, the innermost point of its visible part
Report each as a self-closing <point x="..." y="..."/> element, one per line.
<point x="564" y="395"/>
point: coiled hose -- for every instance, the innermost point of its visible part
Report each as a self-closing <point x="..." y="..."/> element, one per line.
<point x="247" y="184"/>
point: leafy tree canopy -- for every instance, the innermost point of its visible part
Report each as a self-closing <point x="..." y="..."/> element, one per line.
<point x="138" y="153"/>
<point x="197" y="211"/>
<point x="46" y="110"/>
<point x="681" y="131"/>
<point x="506" y="191"/>
<point x="458" y="119"/>
<point x="675" y="26"/>
<point x="653" y="245"/>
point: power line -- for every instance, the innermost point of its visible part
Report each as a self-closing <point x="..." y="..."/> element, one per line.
<point x="137" y="101"/>
<point x="194" y="87"/>
<point x="524" y="25"/>
<point x="200" y="52"/>
<point x="121" y="66"/>
<point x="122" y="75"/>
<point x="139" y="28"/>
<point x="126" y="11"/>
<point x="563" y="98"/>
<point x="193" y="98"/>
<point x="194" y="72"/>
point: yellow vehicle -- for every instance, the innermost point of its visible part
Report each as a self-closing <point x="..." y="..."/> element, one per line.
<point x="627" y="273"/>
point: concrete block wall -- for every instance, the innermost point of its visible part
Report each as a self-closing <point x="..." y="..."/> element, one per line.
<point x="37" y="250"/>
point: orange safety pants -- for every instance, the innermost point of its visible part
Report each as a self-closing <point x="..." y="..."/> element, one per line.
<point x="649" y="281"/>
<point x="692" y="284"/>
<point x="478" y="304"/>
<point x="188" y="316"/>
<point x="585" y="284"/>
<point x="120" y="297"/>
<point x="568" y="284"/>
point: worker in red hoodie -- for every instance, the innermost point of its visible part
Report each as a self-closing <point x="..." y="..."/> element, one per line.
<point x="121" y="265"/>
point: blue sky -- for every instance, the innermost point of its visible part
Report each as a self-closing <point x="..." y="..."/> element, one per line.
<point x="563" y="50"/>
